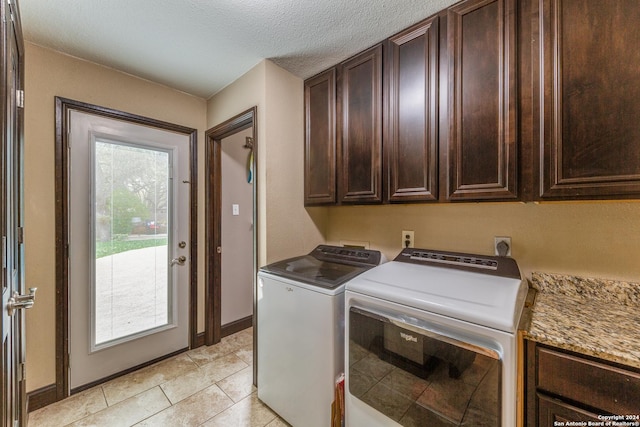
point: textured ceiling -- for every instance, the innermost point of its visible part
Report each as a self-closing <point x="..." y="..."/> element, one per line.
<point x="200" y="46"/>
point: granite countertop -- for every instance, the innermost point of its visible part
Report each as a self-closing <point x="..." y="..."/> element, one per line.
<point x="591" y="316"/>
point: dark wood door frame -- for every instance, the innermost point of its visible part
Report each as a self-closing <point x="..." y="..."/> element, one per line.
<point x="12" y="353"/>
<point x="63" y="107"/>
<point x="213" y="218"/>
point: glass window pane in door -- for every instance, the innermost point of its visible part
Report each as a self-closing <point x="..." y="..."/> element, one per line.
<point x="131" y="216"/>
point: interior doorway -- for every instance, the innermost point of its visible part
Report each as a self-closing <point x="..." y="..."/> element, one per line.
<point x="233" y="141"/>
<point x="236" y="297"/>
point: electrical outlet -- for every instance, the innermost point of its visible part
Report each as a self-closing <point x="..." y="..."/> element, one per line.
<point x="502" y="241"/>
<point x="407" y="239"/>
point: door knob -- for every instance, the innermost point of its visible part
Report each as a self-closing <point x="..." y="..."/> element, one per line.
<point x="17" y="301"/>
<point x="180" y="260"/>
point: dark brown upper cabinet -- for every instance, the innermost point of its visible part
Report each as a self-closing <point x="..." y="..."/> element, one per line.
<point x="320" y="139"/>
<point x="360" y="128"/>
<point x="487" y="100"/>
<point x="482" y="101"/>
<point x="411" y="138"/>
<point x="589" y="99"/>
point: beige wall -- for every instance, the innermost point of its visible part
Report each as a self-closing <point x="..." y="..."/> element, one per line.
<point x="600" y="239"/>
<point x="291" y="229"/>
<point x="245" y="93"/>
<point x="237" y="230"/>
<point x="285" y="228"/>
<point x="50" y="74"/>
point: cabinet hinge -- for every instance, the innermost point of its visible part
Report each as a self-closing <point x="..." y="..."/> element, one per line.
<point x="20" y="235"/>
<point x="20" y="98"/>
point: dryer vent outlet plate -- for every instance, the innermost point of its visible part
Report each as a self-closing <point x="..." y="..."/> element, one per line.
<point x="502" y="246"/>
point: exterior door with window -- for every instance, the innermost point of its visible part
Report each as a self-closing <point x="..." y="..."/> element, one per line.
<point x="128" y="251"/>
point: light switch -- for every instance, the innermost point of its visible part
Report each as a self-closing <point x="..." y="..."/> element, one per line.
<point x="235" y="209"/>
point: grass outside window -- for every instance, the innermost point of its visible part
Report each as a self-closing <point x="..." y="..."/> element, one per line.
<point x="116" y="246"/>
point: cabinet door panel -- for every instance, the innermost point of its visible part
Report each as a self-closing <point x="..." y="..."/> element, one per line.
<point x="412" y="119"/>
<point x="563" y="386"/>
<point x="482" y="77"/>
<point x="360" y="174"/>
<point x="590" y="95"/>
<point x="592" y="383"/>
<point x="320" y="139"/>
<point x="553" y="412"/>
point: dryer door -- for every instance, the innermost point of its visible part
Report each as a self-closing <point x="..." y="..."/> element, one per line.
<point x="418" y="375"/>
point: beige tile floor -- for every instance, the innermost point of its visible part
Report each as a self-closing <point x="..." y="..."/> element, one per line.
<point x="208" y="386"/>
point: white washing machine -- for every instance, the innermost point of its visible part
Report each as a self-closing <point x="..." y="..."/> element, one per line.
<point x="301" y="330"/>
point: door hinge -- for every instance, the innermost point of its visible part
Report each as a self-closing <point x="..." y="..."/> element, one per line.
<point x="4" y="252"/>
<point x="20" y="98"/>
<point x="68" y="119"/>
<point x="22" y="372"/>
<point x="20" y="235"/>
<point x="10" y="4"/>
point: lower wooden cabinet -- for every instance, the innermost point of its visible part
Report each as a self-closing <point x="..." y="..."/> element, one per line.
<point x="551" y="411"/>
<point x="564" y="386"/>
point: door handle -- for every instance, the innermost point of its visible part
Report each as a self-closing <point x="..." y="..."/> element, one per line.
<point x="180" y="260"/>
<point x="17" y="301"/>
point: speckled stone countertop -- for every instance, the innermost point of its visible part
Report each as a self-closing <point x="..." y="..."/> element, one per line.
<point x="596" y="317"/>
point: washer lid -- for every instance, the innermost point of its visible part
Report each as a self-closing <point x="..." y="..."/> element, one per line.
<point x="326" y="266"/>
<point x="474" y="296"/>
<point x="308" y="269"/>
